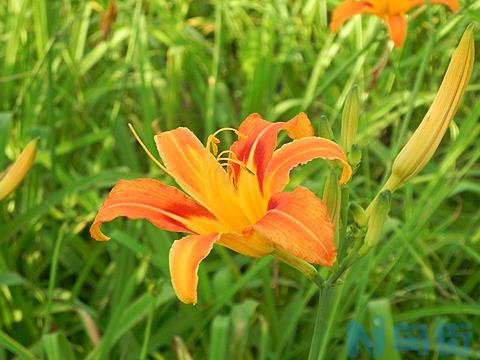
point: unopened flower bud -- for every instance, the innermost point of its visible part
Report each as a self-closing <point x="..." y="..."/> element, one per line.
<point x="332" y="196"/>
<point x="376" y="221"/>
<point x="359" y="215"/>
<point x="15" y="174"/>
<point x="424" y="142"/>
<point x="350" y="116"/>
<point x="324" y="128"/>
<point x="355" y="156"/>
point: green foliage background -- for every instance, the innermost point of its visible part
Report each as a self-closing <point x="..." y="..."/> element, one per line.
<point x="208" y="64"/>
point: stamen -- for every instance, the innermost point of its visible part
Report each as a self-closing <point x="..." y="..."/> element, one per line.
<point x="238" y="162"/>
<point x="228" y="152"/>
<point x="231" y="173"/>
<point x="144" y="147"/>
<point x="213" y="141"/>
<point x="238" y="133"/>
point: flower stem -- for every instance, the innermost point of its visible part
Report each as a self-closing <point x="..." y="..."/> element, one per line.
<point x="327" y="289"/>
<point x="321" y="322"/>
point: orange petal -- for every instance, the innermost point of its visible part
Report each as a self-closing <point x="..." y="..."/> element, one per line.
<point x="300" y="152"/>
<point x="299" y="126"/>
<point x="249" y="244"/>
<point x="256" y="149"/>
<point x="298" y="223"/>
<point x="452" y="4"/>
<point x="185" y="257"/>
<point x="346" y="10"/>
<point x="397" y="27"/>
<point x="164" y="206"/>
<point x="197" y="171"/>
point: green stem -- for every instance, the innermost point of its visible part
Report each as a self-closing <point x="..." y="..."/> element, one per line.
<point x="323" y="319"/>
<point x="148" y="328"/>
<point x="7" y="342"/>
<point x="399" y="132"/>
<point x="53" y="279"/>
<point x="321" y="322"/>
<point x="49" y="100"/>
<point x="343" y="245"/>
<point x="213" y="78"/>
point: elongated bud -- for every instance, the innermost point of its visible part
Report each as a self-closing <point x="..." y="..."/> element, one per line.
<point x="324" y="128"/>
<point x="424" y="142"/>
<point x="15" y="174"/>
<point x="359" y="215"/>
<point x="376" y="221"/>
<point x="350" y="116"/>
<point x="332" y="196"/>
<point x="355" y="156"/>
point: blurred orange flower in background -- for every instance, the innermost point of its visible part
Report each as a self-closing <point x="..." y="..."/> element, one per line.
<point x="11" y="178"/>
<point x="391" y="11"/>
<point x="235" y="201"/>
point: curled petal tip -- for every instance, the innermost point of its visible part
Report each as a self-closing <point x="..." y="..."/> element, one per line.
<point x="299" y="126"/>
<point x="346" y="173"/>
<point x="97" y="234"/>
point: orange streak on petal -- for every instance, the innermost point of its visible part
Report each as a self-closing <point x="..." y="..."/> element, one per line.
<point x="397" y="27"/>
<point x="298" y="223"/>
<point x="257" y="148"/>
<point x="252" y="122"/>
<point x="185" y="257"/>
<point x="346" y="10"/>
<point x="260" y="139"/>
<point x="164" y="206"/>
<point x="300" y="152"/>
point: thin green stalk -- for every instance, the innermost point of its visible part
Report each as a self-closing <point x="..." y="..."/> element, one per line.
<point x="148" y="328"/>
<point x="15" y="347"/>
<point x="50" y="117"/>
<point x="213" y="78"/>
<point x="343" y="245"/>
<point x="321" y="322"/>
<point x="323" y="13"/>
<point x="53" y="279"/>
<point x="323" y="319"/>
<point x="398" y="136"/>
<point x="43" y="20"/>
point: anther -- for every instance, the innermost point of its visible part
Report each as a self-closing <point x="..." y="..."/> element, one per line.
<point x="213" y="141"/>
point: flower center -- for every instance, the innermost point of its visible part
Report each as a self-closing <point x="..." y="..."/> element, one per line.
<point x="212" y="145"/>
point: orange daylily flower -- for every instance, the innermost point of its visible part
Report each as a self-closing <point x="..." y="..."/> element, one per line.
<point x="235" y="201"/>
<point x="391" y="11"/>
